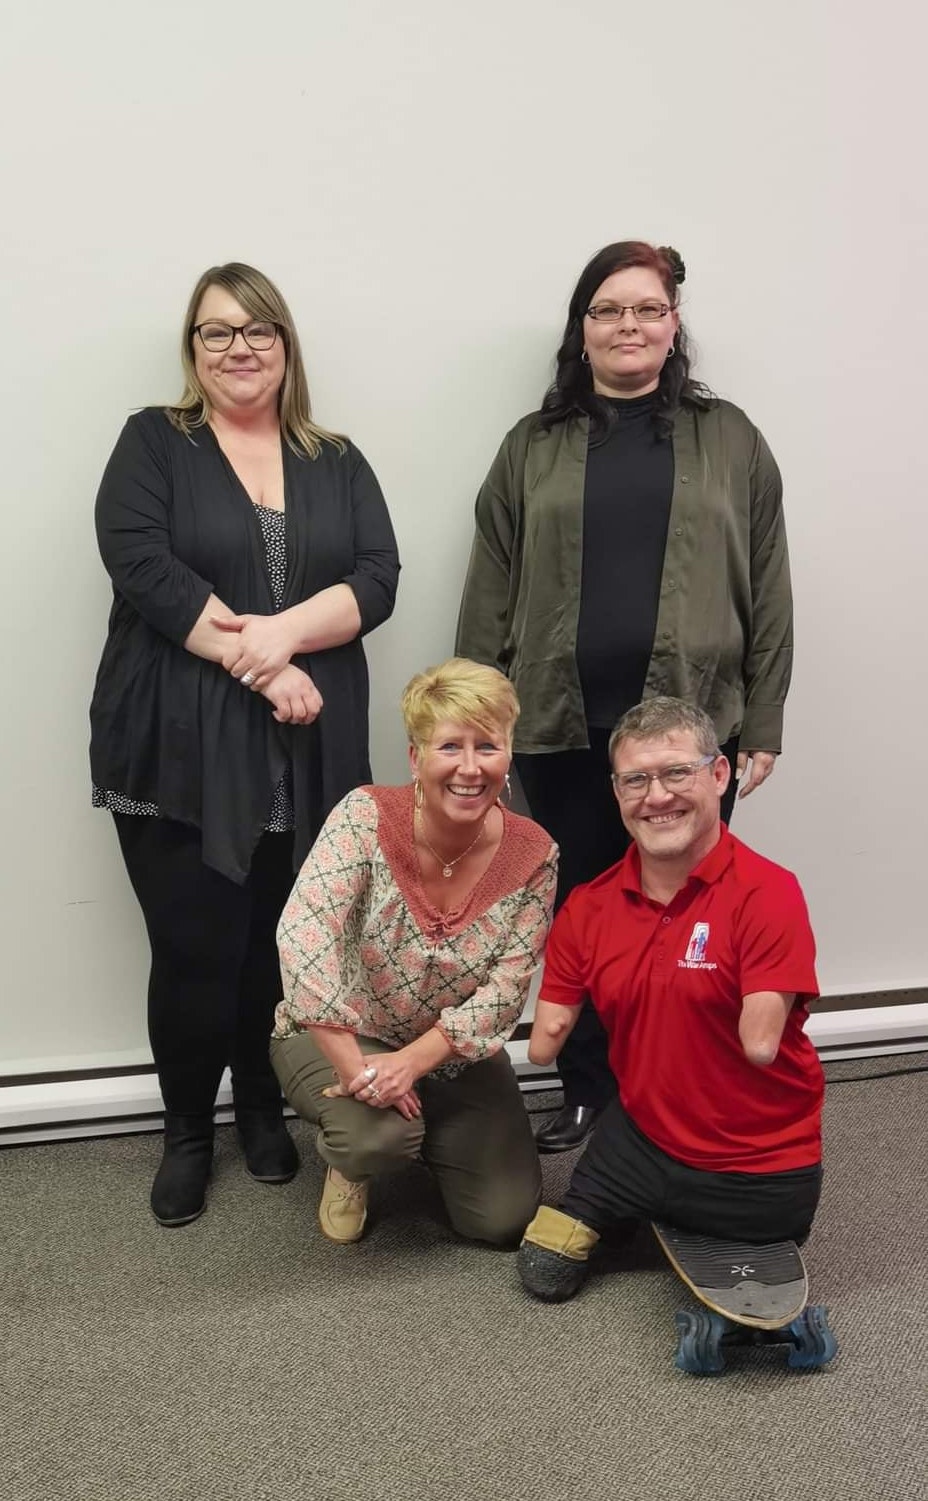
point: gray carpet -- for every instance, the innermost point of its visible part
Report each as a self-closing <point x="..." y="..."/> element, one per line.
<point x="245" y="1357"/>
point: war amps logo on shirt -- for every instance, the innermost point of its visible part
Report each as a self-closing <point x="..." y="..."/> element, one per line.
<point x="695" y="956"/>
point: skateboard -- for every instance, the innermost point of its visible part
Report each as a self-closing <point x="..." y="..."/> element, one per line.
<point x="754" y="1295"/>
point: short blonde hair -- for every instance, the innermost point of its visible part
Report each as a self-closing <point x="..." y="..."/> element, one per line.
<point x="260" y="298"/>
<point x="462" y="691"/>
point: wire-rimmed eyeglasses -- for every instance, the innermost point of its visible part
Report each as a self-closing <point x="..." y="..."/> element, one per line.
<point x="634" y="785"/>
<point x="613" y="312"/>
<point x="216" y="336"/>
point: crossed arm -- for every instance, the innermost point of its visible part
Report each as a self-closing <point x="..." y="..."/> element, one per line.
<point x="264" y="644"/>
<point x="134" y="530"/>
<point x="763" y="1017"/>
<point x="291" y="691"/>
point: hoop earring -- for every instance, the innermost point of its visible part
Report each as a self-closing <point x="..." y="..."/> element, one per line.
<point x="507" y="787"/>
<point x="584" y="358"/>
<point x="671" y="352"/>
<point x="417" y="793"/>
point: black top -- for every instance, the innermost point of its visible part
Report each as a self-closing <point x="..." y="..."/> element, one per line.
<point x="174" y="524"/>
<point x="626" y="510"/>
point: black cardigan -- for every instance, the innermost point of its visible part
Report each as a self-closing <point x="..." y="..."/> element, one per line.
<point x="174" y="524"/>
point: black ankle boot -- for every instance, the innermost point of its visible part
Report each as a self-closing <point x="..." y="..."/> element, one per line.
<point x="178" y="1194"/>
<point x="270" y="1154"/>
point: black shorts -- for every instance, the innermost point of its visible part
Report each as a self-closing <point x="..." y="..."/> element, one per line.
<point x="623" y="1177"/>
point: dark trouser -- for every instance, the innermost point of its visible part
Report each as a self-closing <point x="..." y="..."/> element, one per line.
<point x="473" y="1133"/>
<point x="623" y="1177"/>
<point x="570" y="794"/>
<point x="215" y="976"/>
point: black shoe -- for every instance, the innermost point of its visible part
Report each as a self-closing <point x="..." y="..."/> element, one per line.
<point x="270" y="1155"/>
<point x="178" y="1194"/>
<point x="570" y="1128"/>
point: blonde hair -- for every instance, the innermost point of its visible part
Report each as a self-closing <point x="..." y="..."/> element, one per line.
<point x="461" y="691"/>
<point x="261" y="299"/>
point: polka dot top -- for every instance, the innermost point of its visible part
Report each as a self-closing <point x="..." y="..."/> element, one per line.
<point x="280" y="818"/>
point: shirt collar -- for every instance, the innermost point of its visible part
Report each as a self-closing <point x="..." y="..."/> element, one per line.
<point x="709" y="869"/>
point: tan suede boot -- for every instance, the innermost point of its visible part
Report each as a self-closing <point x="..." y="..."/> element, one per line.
<point x="342" y="1208"/>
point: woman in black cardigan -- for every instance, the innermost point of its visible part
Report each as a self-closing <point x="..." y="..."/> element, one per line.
<point x="250" y="550"/>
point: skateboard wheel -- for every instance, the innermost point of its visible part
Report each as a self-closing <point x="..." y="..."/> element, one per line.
<point x="812" y="1341"/>
<point x="699" y="1350"/>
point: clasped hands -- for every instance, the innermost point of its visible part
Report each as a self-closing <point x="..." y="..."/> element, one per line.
<point x="260" y="648"/>
<point x="385" y="1083"/>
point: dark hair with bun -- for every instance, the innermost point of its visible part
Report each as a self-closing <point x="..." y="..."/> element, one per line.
<point x="571" y="393"/>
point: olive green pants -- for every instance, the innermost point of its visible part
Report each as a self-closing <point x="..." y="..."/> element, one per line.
<point x="473" y="1134"/>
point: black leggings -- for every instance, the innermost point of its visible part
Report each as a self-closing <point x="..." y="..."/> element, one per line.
<point x="215" y="976"/>
<point x="623" y="1177"/>
<point x="570" y="794"/>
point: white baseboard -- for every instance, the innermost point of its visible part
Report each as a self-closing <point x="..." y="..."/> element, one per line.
<point x="126" y="1103"/>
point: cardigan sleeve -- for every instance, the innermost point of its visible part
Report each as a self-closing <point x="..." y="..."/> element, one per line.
<point x="488" y="599"/>
<point x="375" y="575"/>
<point x="318" y="933"/>
<point x="769" y="659"/>
<point x="479" y="1026"/>
<point x="133" y="521"/>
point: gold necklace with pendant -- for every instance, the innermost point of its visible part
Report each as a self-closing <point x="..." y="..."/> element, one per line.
<point x="447" y="866"/>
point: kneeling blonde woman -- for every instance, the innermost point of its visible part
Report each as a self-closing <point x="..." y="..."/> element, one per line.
<point x="407" y="947"/>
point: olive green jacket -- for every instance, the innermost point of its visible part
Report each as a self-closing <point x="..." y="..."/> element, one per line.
<point x="724" y="636"/>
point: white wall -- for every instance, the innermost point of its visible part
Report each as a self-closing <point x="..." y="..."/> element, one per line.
<point x="425" y="180"/>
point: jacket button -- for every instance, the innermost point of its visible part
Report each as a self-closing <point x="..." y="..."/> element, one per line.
<point x="678" y="531"/>
<point x="684" y="479"/>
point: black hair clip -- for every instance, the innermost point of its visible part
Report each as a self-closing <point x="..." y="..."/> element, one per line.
<point x="677" y="264"/>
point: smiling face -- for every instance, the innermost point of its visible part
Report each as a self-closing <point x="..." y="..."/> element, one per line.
<point x="626" y="357"/>
<point x="679" y="826"/>
<point x="239" y="379"/>
<point x="461" y="770"/>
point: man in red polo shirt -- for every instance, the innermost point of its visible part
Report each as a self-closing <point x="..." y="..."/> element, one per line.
<point x="698" y="956"/>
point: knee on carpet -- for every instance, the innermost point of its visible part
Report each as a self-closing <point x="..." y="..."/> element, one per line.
<point x="497" y="1224"/>
<point x="554" y="1255"/>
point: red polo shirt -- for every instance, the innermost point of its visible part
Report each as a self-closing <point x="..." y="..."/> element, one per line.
<point x="668" y="982"/>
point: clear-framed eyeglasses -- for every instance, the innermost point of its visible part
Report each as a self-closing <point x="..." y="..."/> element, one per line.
<point x="614" y="312"/>
<point x="632" y="786"/>
<point x="217" y="337"/>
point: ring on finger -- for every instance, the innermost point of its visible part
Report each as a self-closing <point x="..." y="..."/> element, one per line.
<point x="248" y="678"/>
<point x="370" y="1072"/>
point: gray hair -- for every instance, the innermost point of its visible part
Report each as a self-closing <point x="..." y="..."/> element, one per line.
<point x="657" y="717"/>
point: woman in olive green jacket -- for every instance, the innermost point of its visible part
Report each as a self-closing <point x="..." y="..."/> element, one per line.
<point x="629" y="542"/>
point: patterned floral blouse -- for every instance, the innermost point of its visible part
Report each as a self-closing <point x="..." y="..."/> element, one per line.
<point x="362" y="948"/>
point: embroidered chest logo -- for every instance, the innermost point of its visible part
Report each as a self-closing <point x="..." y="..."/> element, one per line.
<point x="695" y="956"/>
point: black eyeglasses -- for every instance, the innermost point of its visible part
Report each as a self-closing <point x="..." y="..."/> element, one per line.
<point x="216" y="336"/>
<point x="613" y="312"/>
